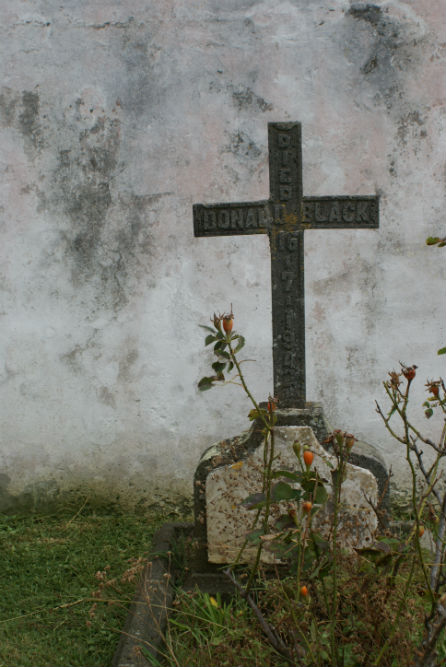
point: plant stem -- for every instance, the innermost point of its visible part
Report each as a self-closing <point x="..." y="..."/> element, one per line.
<point x="268" y="459"/>
<point x="334" y="605"/>
<point x="395" y="622"/>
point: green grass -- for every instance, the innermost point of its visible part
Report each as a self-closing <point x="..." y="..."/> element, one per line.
<point x="55" y="609"/>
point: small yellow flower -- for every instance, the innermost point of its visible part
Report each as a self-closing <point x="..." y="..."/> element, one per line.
<point x="237" y="466"/>
<point x="213" y="601"/>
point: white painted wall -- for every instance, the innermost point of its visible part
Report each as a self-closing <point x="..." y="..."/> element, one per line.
<point x="115" y="117"/>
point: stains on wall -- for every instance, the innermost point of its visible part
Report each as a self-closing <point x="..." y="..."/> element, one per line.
<point x="136" y="494"/>
<point x="104" y="229"/>
<point x="21" y="111"/>
<point x="141" y="89"/>
<point x="82" y="189"/>
<point x="28" y="119"/>
<point x="386" y="45"/>
<point x="42" y="495"/>
<point x="245" y="98"/>
<point x="106" y="397"/>
<point x="241" y="145"/>
<point x="242" y="97"/>
<point x="8" y="103"/>
<point x="395" y="41"/>
<point x="411" y="126"/>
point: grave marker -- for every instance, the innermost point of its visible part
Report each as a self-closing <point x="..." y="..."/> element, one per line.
<point x="284" y="217"/>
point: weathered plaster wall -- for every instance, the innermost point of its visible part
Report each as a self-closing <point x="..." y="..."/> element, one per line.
<point x="115" y="117"/>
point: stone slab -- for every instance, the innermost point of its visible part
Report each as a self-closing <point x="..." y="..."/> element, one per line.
<point x="228" y="521"/>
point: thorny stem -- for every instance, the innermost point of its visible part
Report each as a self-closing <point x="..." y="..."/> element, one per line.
<point x="268" y="458"/>
<point x="244" y="385"/>
<point x="440" y="546"/>
<point x="301" y="633"/>
<point x="273" y="637"/>
<point x="402" y="414"/>
<point x="410" y="446"/>
<point x="435" y="577"/>
<point x="399" y="612"/>
<point x="334" y="603"/>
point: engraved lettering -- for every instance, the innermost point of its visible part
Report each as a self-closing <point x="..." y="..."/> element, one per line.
<point x="278" y="214"/>
<point x="284" y="140"/>
<point x="286" y="156"/>
<point x="285" y="192"/>
<point x="362" y="212"/>
<point x="209" y="220"/>
<point x="319" y="213"/>
<point x="223" y="219"/>
<point x="237" y="218"/>
<point x="335" y="214"/>
<point x="285" y="175"/>
<point x="308" y="211"/>
<point x="289" y="360"/>
<point x="288" y="276"/>
<point x="264" y="218"/>
<point x="348" y="212"/>
<point x="288" y="339"/>
<point x="251" y="218"/>
<point x="293" y="242"/>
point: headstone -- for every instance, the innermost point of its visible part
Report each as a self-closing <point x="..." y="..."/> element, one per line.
<point x="228" y="519"/>
<point x="220" y="522"/>
<point x="227" y="474"/>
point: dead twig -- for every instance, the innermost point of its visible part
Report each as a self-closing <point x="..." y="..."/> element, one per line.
<point x="269" y="631"/>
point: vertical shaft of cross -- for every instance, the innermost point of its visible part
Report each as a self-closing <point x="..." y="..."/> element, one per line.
<point x="287" y="263"/>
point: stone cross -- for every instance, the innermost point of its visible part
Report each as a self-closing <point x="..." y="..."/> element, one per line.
<point x="284" y="217"/>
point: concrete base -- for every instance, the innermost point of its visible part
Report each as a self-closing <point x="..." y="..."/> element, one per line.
<point x="233" y="450"/>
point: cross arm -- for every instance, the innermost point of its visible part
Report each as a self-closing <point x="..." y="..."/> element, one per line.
<point x="232" y="219"/>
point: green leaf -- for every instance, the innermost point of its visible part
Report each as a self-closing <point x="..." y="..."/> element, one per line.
<point x="210" y="339"/>
<point x="202" y="326"/>
<point x="256" y="414"/>
<point x="283" y="522"/>
<point x="369" y="553"/>
<point x="428" y="413"/>
<point x="442" y="350"/>
<point x="220" y="345"/>
<point x="319" y="542"/>
<point x="432" y="240"/>
<point x="283" y="491"/>
<point x="321" y="495"/>
<point x="230" y="367"/>
<point x="294" y="476"/>
<point x="222" y="353"/>
<point x="254" y="501"/>
<point x="308" y="484"/>
<point x="254" y="535"/>
<point x="240" y="344"/>
<point x="205" y="383"/>
<point x="219" y="366"/>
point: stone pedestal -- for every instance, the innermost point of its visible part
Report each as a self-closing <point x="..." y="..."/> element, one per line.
<point x="230" y="470"/>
